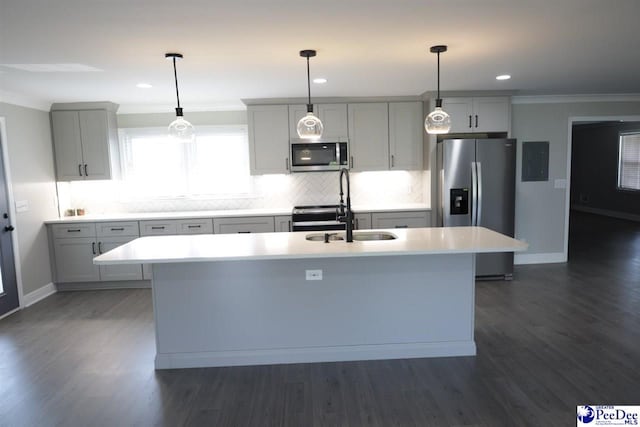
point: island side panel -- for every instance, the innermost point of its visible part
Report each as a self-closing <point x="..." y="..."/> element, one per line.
<point x="258" y="312"/>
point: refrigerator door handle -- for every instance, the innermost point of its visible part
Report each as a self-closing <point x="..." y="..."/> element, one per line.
<point x="474" y="194"/>
<point x="479" y="191"/>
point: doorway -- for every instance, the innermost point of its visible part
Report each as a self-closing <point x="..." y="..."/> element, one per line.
<point x="601" y="197"/>
<point x="9" y="300"/>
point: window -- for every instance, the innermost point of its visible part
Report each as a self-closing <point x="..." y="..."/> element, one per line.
<point x="215" y="165"/>
<point x="629" y="161"/>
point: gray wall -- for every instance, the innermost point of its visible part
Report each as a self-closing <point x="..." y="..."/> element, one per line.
<point x="540" y="208"/>
<point x="32" y="175"/>
<point x="594" y="168"/>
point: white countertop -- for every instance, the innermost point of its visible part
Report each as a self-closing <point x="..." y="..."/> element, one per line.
<point x="142" y="216"/>
<point x="263" y="246"/>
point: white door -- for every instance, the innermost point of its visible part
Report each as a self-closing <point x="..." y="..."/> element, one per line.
<point x="405" y="135"/>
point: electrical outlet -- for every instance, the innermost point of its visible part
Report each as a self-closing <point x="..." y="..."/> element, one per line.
<point x="313" y="274"/>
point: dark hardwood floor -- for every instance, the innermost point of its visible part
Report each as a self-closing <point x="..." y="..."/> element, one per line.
<point x="557" y="336"/>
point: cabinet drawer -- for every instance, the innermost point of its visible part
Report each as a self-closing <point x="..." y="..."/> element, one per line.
<point x="195" y="226"/>
<point x="412" y="219"/>
<point x="263" y="224"/>
<point x="63" y="231"/>
<point x="158" y="228"/>
<point x="115" y="229"/>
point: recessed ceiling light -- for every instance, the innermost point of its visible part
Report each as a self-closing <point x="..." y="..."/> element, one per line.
<point x="503" y="77"/>
<point x="320" y="80"/>
<point x="144" y="85"/>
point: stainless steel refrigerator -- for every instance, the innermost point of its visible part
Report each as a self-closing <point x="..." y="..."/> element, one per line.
<point x="476" y="186"/>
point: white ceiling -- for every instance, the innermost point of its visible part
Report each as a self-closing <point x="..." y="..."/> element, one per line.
<point x="238" y="49"/>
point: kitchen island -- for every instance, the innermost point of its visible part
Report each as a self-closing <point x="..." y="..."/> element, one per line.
<point x="245" y="299"/>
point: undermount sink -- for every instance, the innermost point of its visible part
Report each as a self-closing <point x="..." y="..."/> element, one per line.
<point x="357" y="236"/>
<point x="374" y="235"/>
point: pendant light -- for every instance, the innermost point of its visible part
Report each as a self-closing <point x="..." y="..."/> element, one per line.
<point x="179" y="129"/>
<point x="438" y="121"/>
<point x="309" y="127"/>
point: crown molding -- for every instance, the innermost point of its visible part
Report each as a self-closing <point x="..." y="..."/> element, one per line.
<point x="24" y="101"/>
<point x="566" y="99"/>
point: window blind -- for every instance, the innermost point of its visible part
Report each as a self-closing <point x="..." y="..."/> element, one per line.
<point x="629" y="162"/>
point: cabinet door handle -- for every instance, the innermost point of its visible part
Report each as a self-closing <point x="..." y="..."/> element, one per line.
<point x="286" y="163"/>
<point x="476" y="120"/>
<point x="351" y="162"/>
<point x="99" y="247"/>
<point x="80" y="170"/>
<point x="289" y="225"/>
<point x="118" y="229"/>
<point x="470" y="121"/>
<point x="85" y="170"/>
<point x="401" y="226"/>
<point x="93" y="247"/>
<point x="357" y="224"/>
<point x="392" y="161"/>
<point x="161" y="227"/>
<point x="244" y="232"/>
<point x="73" y="230"/>
<point x="193" y="226"/>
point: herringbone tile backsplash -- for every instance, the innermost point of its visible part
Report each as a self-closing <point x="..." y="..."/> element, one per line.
<point x="269" y="191"/>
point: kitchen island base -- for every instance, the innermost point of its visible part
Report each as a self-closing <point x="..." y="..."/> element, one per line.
<point x="252" y="312"/>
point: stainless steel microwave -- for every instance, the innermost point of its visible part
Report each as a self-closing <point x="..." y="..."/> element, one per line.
<point x="319" y="155"/>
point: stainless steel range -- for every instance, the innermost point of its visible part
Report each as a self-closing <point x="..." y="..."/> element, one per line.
<point x="316" y="218"/>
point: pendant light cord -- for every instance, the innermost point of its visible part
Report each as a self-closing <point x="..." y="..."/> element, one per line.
<point x="438" y="75"/>
<point x="308" y="87"/>
<point x="175" y="76"/>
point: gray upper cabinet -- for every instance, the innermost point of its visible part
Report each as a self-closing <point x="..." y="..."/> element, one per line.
<point x="481" y="114"/>
<point x="405" y="135"/>
<point x="334" y="120"/>
<point x="369" y="136"/>
<point x="85" y="141"/>
<point x="332" y="116"/>
<point x="296" y="112"/>
<point x="268" y="138"/>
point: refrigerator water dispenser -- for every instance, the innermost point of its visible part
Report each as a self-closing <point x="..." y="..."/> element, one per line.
<point x="459" y="198"/>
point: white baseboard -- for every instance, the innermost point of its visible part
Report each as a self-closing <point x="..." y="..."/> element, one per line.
<point x="38" y="295"/>
<point x="606" y="212"/>
<point x="544" y="258"/>
<point x="9" y="313"/>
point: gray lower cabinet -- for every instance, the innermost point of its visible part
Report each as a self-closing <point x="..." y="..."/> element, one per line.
<point x="118" y="272"/>
<point x="195" y="226"/>
<point x="401" y="219"/>
<point x="282" y="223"/>
<point x="362" y="221"/>
<point x="74" y="260"/>
<point x="256" y="224"/>
<point x="172" y="227"/>
<point x="75" y="246"/>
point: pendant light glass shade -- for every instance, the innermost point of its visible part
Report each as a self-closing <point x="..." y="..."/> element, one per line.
<point x="309" y="127"/>
<point x="438" y="121"/>
<point x="179" y="129"/>
<point x="182" y="130"/>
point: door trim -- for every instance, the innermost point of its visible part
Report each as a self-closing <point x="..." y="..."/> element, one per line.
<point x="12" y="209"/>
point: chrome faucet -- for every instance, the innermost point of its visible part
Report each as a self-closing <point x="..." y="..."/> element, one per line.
<point x="341" y="215"/>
